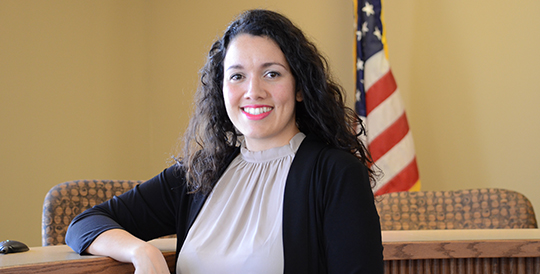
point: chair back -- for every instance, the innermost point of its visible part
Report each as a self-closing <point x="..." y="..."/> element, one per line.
<point x="66" y="200"/>
<point x="461" y="209"/>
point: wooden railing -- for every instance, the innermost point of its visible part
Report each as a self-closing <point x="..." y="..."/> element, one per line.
<point x="405" y="252"/>
<point x="472" y="251"/>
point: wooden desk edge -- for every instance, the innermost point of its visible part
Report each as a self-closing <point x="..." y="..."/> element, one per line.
<point x="471" y="243"/>
<point x="461" y="249"/>
<point x="393" y="251"/>
<point x="94" y="265"/>
<point x="401" y="246"/>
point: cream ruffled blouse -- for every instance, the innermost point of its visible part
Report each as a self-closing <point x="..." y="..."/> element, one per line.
<point x="238" y="230"/>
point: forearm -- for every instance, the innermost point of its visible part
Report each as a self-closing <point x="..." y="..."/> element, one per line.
<point x="124" y="247"/>
<point x="115" y="243"/>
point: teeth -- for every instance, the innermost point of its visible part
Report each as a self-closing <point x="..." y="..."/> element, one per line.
<point x="257" y="111"/>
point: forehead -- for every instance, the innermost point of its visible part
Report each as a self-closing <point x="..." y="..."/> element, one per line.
<point x="250" y="48"/>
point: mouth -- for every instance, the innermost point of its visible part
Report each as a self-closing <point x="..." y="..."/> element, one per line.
<point x="256" y="110"/>
<point x="257" y="113"/>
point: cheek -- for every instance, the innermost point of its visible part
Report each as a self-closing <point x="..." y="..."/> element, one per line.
<point x="226" y="95"/>
<point x="229" y="99"/>
<point x="286" y="96"/>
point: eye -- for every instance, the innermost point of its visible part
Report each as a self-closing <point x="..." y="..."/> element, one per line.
<point x="236" y="77"/>
<point x="272" y="74"/>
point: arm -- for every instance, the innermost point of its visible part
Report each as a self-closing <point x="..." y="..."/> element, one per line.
<point x="124" y="247"/>
<point x="120" y="227"/>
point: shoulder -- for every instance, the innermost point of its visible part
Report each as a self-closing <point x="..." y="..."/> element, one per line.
<point x="314" y="151"/>
<point x="319" y="164"/>
<point x="174" y="174"/>
<point x="171" y="178"/>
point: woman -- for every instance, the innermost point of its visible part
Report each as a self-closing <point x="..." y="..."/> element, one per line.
<point x="295" y="195"/>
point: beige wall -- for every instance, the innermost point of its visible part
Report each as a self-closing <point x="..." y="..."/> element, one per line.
<point x="468" y="72"/>
<point x="102" y="89"/>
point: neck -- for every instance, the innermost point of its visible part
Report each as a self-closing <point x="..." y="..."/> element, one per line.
<point x="255" y="144"/>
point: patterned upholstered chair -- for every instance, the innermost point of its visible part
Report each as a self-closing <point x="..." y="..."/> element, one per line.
<point x="462" y="209"/>
<point x="66" y="200"/>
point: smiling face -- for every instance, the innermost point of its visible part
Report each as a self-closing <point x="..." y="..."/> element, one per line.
<point x="259" y="92"/>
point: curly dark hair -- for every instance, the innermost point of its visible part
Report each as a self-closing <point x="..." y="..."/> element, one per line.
<point x="211" y="136"/>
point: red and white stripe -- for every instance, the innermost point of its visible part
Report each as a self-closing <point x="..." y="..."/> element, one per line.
<point x="388" y="136"/>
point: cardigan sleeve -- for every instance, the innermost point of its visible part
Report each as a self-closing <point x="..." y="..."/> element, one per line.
<point x="147" y="211"/>
<point x="351" y="227"/>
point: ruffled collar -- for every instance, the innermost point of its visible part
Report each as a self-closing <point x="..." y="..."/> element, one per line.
<point x="272" y="153"/>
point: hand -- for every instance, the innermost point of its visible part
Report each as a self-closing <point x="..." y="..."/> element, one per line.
<point x="148" y="259"/>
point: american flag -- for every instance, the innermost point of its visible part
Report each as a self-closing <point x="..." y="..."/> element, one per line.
<point x="378" y="101"/>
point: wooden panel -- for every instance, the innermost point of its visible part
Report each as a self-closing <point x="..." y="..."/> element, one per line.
<point x="464" y="266"/>
<point x="515" y="251"/>
<point x="461" y="249"/>
<point x="99" y="265"/>
<point x="62" y="259"/>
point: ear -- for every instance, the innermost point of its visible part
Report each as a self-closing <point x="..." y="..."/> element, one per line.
<point x="299" y="97"/>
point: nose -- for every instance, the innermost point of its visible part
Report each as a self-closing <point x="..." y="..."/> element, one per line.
<point x="255" y="89"/>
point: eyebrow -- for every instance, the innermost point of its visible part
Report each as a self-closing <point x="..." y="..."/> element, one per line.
<point x="265" y="65"/>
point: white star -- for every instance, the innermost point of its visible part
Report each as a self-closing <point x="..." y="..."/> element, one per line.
<point x="365" y="28"/>
<point x="368" y="9"/>
<point x="358" y="96"/>
<point x="358" y="35"/>
<point x="359" y="64"/>
<point x="377" y="33"/>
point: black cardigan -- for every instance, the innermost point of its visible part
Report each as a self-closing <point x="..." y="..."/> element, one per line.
<point x="330" y="224"/>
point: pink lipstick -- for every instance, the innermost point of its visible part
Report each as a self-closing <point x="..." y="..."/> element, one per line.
<point x="256" y="112"/>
